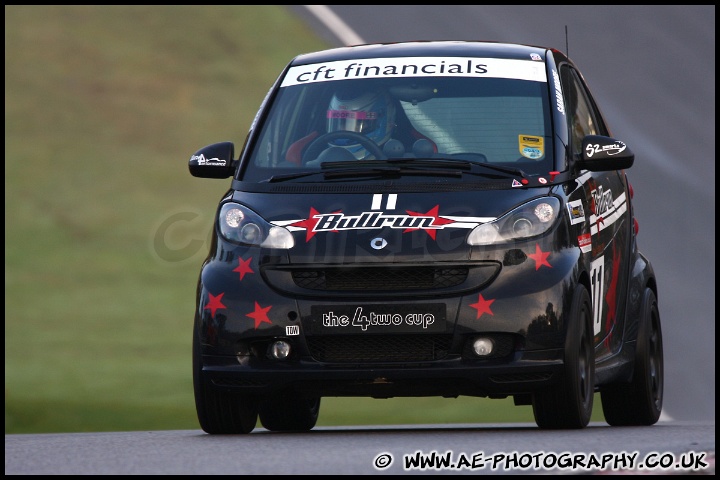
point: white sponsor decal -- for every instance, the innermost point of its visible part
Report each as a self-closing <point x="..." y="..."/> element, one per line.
<point x="328" y="222"/>
<point x="576" y="212"/>
<point x="201" y="160"/>
<point x="593" y="148"/>
<point x="377" y="219"/>
<point x="377" y="201"/>
<point x="585" y="242"/>
<point x="558" y="93"/>
<point x="363" y="321"/>
<point x="415" y="67"/>
<point x="607" y="210"/>
<point x="597" y="285"/>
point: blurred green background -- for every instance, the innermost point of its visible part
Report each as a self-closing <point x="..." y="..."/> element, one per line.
<point x="105" y="228"/>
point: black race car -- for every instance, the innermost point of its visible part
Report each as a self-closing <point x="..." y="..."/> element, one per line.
<point x="425" y="219"/>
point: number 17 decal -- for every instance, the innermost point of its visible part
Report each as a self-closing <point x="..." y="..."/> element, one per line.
<point x="597" y="283"/>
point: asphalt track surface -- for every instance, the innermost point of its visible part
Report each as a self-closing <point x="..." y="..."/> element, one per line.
<point x="372" y="450"/>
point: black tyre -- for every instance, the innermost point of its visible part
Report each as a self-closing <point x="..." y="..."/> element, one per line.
<point x="220" y="411"/>
<point x="569" y="404"/>
<point x="640" y="401"/>
<point x="288" y="411"/>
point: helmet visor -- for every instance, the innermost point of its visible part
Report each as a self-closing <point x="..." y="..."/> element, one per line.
<point x="352" y="121"/>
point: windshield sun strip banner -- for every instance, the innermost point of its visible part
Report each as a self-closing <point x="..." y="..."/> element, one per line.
<point x="416" y="67"/>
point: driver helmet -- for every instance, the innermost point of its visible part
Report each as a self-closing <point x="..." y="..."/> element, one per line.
<point x="369" y="113"/>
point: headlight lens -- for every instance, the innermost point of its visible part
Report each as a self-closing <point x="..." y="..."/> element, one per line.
<point x="239" y="224"/>
<point x="528" y="220"/>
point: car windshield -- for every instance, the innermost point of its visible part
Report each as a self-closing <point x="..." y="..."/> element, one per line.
<point x="316" y="121"/>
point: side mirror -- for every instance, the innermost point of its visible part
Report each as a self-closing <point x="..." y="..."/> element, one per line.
<point x="213" y="161"/>
<point x="601" y="154"/>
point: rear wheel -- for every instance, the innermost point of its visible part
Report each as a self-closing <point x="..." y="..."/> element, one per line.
<point x="640" y="401"/>
<point x="569" y="404"/>
<point x="220" y="411"/>
<point x="289" y="411"/>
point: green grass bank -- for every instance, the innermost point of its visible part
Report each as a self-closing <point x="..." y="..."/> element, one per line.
<point x="105" y="228"/>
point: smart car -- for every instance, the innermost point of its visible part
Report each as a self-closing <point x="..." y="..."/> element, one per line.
<point x="431" y="218"/>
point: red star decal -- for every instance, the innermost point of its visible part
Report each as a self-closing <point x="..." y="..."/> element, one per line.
<point x="260" y="315"/>
<point x="611" y="295"/>
<point x="482" y="306"/>
<point x="243" y="267"/>
<point x="215" y="303"/>
<point x="433" y="212"/>
<point x="540" y="257"/>
<point x="309" y="224"/>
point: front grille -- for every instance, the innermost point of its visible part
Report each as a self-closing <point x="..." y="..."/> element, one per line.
<point x="378" y="348"/>
<point x="379" y="278"/>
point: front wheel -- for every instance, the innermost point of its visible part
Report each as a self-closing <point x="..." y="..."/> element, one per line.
<point x="220" y="411"/>
<point x="569" y="404"/>
<point x="640" y="401"/>
<point x="289" y="411"/>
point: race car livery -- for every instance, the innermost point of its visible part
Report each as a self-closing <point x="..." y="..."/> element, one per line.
<point x="425" y="219"/>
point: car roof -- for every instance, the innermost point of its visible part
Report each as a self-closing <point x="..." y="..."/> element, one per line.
<point x="433" y="48"/>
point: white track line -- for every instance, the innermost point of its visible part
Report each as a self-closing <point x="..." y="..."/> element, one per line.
<point x="335" y="24"/>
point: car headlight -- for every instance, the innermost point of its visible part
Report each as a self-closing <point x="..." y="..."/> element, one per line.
<point x="528" y="220"/>
<point x="239" y="224"/>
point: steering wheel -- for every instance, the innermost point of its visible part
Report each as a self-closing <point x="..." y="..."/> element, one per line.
<point x="320" y="144"/>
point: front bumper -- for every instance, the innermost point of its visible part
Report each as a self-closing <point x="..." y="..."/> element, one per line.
<point x="244" y="305"/>
<point x="527" y="372"/>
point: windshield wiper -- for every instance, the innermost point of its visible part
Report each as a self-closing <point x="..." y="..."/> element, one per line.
<point x="327" y="167"/>
<point x="500" y="168"/>
<point x="404" y="162"/>
<point x="460" y="164"/>
<point x="464" y="165"/>
<point x="362" y="169"/>
<point x="395" y="172"/>
<point x="446" y="167"/>
<point x="289" y="176"/>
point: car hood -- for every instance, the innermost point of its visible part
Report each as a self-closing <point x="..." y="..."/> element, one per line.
<point x="383" y="227"/>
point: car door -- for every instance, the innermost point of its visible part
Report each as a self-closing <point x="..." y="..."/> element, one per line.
<point x="608" y="215"/>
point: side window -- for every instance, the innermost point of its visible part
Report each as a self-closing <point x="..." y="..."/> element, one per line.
<point x="581" y="118"/>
